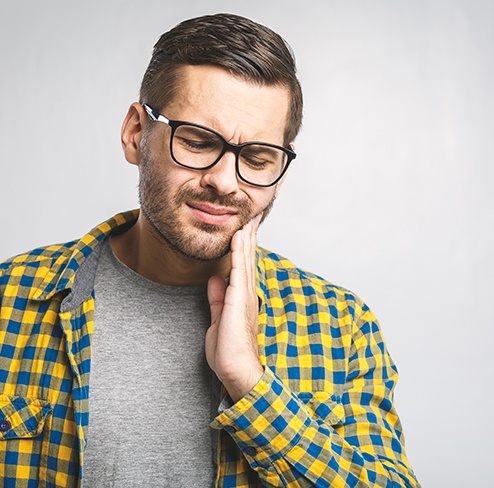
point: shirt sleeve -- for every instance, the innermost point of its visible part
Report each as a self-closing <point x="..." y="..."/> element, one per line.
<point x="312" y="439"/>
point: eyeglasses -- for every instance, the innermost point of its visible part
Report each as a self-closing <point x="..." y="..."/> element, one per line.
<point x="197" y="147"/>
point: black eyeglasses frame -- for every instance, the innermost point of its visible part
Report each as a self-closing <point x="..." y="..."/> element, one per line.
<point x="227" y="146"/>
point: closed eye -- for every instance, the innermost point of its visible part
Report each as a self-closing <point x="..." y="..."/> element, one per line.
<point x="256" y="163"/>
<point x="260" y="157"/>
<point x="196" y="145"/>
<point x="195" y="139"/>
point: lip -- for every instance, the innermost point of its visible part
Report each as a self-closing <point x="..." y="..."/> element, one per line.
<point x="209" y="213"/>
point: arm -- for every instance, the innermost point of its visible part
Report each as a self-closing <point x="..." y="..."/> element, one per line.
<point x="311" y="439"/>
<point x="315" y="441"/>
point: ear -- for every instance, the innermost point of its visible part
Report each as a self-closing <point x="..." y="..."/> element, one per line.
<point x="131" y="133"/>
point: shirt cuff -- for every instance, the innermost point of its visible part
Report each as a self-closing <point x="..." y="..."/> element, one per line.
<point x="267" y="422"/>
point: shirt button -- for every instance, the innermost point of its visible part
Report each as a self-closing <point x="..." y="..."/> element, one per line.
<point x="230" y="429"/>
<point x="251" y="451"/>
<point x="4" y="425"/>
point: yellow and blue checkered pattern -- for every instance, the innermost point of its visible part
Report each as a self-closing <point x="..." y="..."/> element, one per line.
<point x="322" y="415"/>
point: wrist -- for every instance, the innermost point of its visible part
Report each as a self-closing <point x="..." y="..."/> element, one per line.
<point x="240" y="386"/>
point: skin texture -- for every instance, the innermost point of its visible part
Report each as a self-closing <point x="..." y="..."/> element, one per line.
<point x="198" y="227"/>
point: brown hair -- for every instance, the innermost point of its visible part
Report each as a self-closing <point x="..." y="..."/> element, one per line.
<point x="245" y="48"/>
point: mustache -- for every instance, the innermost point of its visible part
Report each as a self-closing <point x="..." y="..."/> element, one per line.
<point x="209" y="195"/>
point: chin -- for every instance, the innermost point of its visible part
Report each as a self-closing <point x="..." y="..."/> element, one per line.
<point x="199" y="244"/>
<point x="206" y="244"/>
<point x="203" y="251"/>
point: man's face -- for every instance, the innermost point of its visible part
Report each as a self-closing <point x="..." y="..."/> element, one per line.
<point x="197" y="212"/>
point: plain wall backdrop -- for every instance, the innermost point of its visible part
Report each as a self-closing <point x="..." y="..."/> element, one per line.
<point x="390" y="195"/>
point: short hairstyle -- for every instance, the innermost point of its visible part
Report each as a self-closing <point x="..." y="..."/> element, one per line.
<point x="248" y="50"/>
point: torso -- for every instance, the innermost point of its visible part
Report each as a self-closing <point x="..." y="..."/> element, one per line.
<point x="150" y="385"/>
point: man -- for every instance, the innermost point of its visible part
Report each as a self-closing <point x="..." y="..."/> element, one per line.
<point x="121" y="350"/>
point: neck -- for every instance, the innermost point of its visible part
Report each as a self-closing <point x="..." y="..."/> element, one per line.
<point x="155" y="260"/>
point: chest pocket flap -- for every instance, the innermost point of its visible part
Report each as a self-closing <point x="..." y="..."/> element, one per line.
<point x="22" y="417"/>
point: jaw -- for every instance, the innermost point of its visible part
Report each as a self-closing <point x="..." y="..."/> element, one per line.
<point x="193" y="241"/>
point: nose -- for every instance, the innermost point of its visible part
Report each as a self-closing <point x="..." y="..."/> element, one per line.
<point x="222" y="176"/>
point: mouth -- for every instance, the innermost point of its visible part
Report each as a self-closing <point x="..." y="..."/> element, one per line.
<point x="208" y="213"/>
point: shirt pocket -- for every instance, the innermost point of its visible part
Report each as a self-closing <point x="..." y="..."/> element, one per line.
<point x="324" y="406"/>
<point x="22" y="418"/>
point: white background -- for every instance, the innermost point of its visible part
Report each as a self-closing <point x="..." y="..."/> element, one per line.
<point x="390" y="195"/>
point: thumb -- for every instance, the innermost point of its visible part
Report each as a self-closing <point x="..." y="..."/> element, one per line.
<point x="216" y="297"/>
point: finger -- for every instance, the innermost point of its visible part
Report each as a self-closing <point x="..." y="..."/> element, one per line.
<point x="238" y="273"/>
<point x="249" y="253"/>
<point x="257" y="221"/>
<point x="216" y="297"/>
<point x="253" y="226"/>
<point x="253" y="242"/>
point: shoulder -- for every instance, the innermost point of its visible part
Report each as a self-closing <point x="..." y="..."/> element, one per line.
<point x="48" y="262"/>
<point x="50" y="259"/>
<point x="280" y="272"/>
<point x="45" y="255"/>
<point x="289" y="288"/>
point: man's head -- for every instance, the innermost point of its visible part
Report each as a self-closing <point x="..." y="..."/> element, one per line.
<point x="235" y="79"/>
<point x="247" y="50"/>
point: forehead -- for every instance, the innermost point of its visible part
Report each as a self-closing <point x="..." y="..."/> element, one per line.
<point x="241" y="111"/>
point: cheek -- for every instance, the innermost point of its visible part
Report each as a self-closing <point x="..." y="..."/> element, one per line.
<point x="160" y="167"/>
<point x="155" y="152"/>
<point x="262" y="197"/>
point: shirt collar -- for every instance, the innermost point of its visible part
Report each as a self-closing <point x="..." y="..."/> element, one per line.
<point x="65" y="274"/>
<point x="61" y="275"/>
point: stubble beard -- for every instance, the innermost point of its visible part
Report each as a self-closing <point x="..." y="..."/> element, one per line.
<point x="200" y="241"/>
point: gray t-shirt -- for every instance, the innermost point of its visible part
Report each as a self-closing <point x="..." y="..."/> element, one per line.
<point x="150" y="386"/>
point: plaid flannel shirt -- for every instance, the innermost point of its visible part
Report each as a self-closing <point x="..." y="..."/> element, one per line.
<point x="322" y="414"/>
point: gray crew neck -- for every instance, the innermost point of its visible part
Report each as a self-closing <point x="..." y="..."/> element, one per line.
<point x="141" y="281"/>
<point x="152" y="395"/>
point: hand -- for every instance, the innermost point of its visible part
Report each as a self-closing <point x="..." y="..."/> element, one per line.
<point x="231" y="341"/>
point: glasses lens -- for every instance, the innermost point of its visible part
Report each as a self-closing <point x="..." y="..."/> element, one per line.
<point x="195" y="147"/>
<point x="199" y="148"/>
<point x="261" y="165"/>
